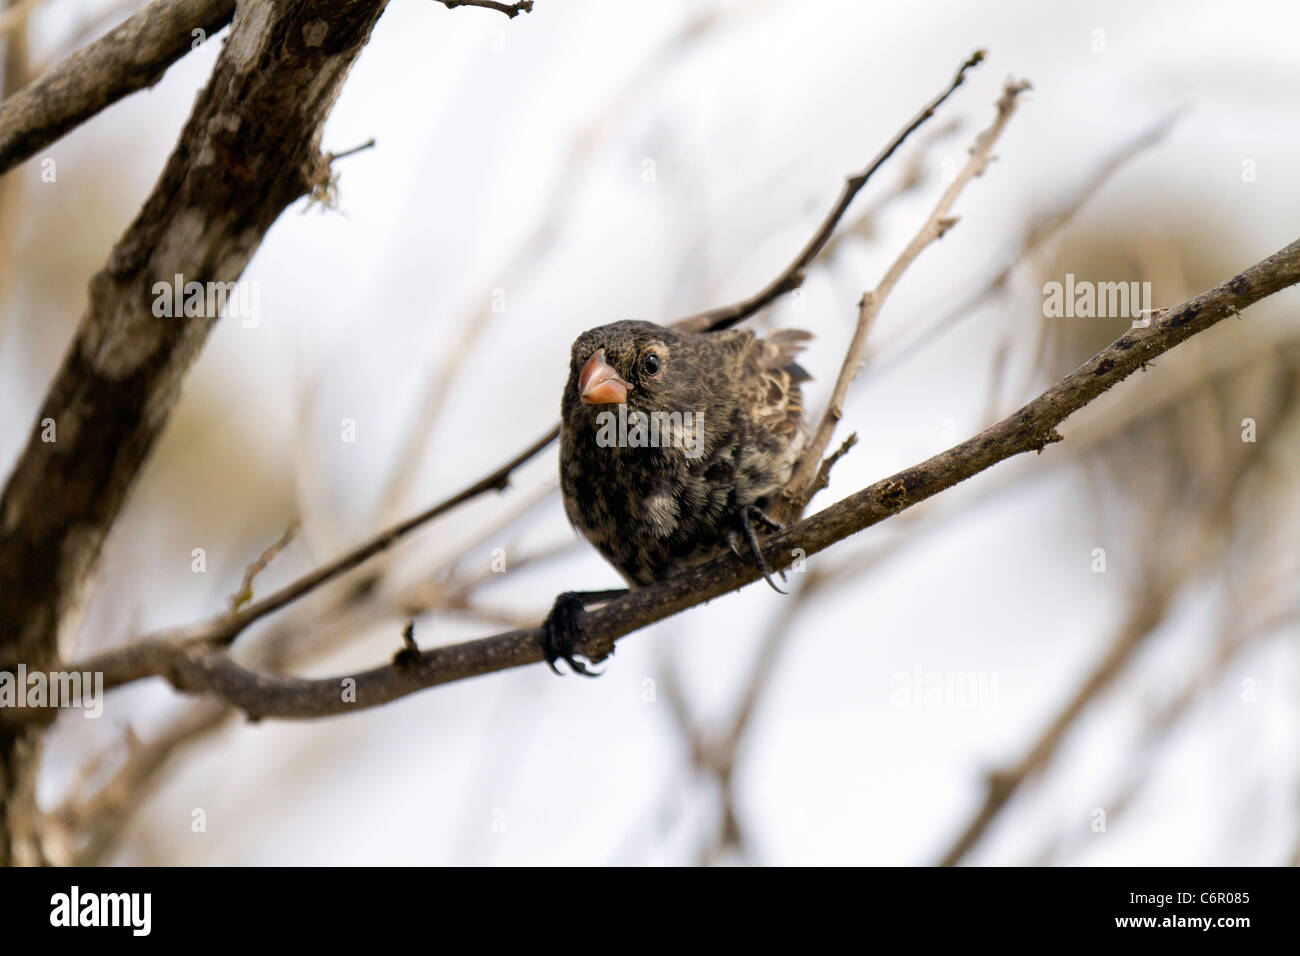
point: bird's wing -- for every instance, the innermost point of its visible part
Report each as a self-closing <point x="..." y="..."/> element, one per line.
<point x="777" y="376"/>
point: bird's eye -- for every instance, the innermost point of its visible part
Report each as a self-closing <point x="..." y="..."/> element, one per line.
<point x="650" y="364"/>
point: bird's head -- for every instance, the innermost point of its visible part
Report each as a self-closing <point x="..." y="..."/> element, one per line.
<point x="629" y="363"/>
<point x="638" y="374"/>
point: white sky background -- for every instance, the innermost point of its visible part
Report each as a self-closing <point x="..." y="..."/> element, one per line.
<point x="751" y="130"/>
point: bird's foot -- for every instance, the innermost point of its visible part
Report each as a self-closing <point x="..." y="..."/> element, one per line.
<point x="561" y="632"/>
<point x="747" y="518"/>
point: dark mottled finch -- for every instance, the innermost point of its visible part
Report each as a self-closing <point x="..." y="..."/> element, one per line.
<point x="672" y="445"/>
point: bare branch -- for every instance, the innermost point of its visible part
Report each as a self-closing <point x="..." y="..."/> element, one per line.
<point x="824" y="469"/>
<point x="1002" y="785"/>
<point x="245" y="592"/>
<point x="100" y="817"/>
<point x="128" y="58"/>
<point x="799" y="489"/>
<point x="1039" y="233"/>
<point x="530" y="254"/>
<point x="240" y="161"/>
<point x="1186" y="550"/>
<point x="223" y="630"/>
<point x="511" y="10"/>
<point x="368" y="144"/>
<point x="204" y="669"/>
<point x="793" y="275"/>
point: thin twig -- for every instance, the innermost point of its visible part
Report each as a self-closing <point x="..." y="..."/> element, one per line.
<point x="1002" y="785"/>
<point x="368" y="144"/>
<point x="100" y="818"/>
<point x="1163" y="719"/>
<point x="824" y="469"/>
<point x="793" y="275"/>
<point x="511" y="10"/>
<point x="1037" y="236"/>
<point x="530" y="254"/>
<point x="245" y="592"/>
<point x="499" y="480"/>
<point x="800" y="487"/>
<point x="1186" y="548"/>
<point x="223" y="630"/>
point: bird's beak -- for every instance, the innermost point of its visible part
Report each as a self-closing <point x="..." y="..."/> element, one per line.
<point x="599" y="384"/>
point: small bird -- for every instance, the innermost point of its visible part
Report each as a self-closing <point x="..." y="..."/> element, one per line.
<point x="672" y="444"/>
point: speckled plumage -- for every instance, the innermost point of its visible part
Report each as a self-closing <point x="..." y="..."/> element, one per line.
<point x="653" y="511"/>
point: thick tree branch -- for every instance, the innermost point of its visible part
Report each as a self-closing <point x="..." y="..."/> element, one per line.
<point x="248" y="150"/>
<point x="128" y="58"/>
<point x="244" y="156"/>
<point x="205" y="669"/>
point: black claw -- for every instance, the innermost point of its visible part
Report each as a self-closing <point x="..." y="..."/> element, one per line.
<point x="748" y="518"/>
<point x="560" y="634"/>
<point x="758" y="515"/>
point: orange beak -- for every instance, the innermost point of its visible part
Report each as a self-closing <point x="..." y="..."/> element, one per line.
<point x="599" y="384"/>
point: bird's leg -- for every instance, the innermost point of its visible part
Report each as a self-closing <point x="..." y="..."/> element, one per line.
<point x="746" y="518"/>
<point x="560" y="630"/>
